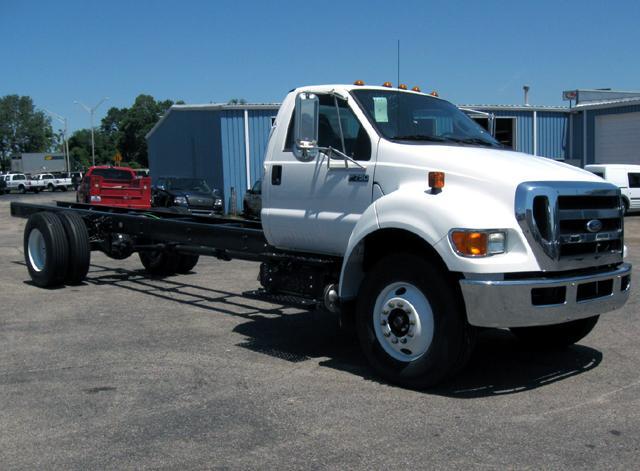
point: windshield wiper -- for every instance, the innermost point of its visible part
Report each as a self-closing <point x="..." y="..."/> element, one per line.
<point x="472" y="140"/>
<point x="419" y="137"/>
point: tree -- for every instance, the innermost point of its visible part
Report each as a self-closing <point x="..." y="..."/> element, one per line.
<point x="80" y="148"/>
<point x="23" y="128"/>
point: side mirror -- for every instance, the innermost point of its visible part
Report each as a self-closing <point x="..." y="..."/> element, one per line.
<point x="305" y="147"/>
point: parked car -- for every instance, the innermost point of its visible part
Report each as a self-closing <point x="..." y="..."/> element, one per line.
<point x="187" y="195"/>
<point x="115" y="186"/>
<point x="252" y="201"/>
<point x="626" y="177"/>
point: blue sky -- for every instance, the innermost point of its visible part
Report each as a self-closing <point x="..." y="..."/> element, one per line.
<point x="210" y="51"/>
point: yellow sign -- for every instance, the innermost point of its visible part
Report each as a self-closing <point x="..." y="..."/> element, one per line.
<point x="117" y="157"/>
<point x="48" y="157"/>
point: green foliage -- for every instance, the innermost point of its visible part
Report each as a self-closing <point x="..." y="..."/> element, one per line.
<point x="23" y="128"/>
<point x="122" y="130"/>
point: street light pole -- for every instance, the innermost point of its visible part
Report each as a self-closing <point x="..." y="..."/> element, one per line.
<point x="63" y="120"/>
<point x="91" y="112"/>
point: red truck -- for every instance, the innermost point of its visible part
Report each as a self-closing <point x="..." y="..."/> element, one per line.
<point x="115" y="186"/>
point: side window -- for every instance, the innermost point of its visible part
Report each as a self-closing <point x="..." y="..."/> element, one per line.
<point x="634" y="180"/>
<point x="356" y="140"/>
<point x="598" y="173"/>
<point x="257" y="187"/>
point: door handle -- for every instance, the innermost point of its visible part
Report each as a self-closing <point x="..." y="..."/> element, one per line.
<point x="276" y="175"/>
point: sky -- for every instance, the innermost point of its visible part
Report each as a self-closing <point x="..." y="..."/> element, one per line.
<point x="471" y="52"/>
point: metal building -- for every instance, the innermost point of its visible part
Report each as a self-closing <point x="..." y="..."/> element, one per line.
<point x="224" y="144"/>
<point x="605" y="126"/>
<point x="39" y="162"/>
<point x="536" y="130"/>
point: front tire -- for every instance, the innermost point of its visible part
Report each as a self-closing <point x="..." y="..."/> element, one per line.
<point x="558" y="336"/>
<point x="46" y="251"/>
<point x="22" y="189"/>
<point x="411" y="323"/>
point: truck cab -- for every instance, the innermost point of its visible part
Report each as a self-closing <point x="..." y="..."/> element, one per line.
<point x="407" y="191"/>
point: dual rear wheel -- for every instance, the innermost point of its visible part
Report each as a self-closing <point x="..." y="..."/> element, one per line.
<point x="56" y="249"/>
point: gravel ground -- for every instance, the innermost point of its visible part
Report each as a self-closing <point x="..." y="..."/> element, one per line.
<point x="128" y="371"/>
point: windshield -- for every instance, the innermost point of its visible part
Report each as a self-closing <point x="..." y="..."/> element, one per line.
<point x="191" y="184"/>
<point x="401" y="116"/>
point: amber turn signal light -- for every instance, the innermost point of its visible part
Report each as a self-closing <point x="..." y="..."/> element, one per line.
<point x="470" y="243"/>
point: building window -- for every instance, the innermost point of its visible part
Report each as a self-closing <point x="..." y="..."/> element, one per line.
<point x="505" y="129"/>
<point x="634" y="180"/>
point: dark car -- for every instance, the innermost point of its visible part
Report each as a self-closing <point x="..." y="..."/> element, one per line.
<point x="188" y="195"/>
<point x="3" y="185"/>
<point x="252" y="202"/>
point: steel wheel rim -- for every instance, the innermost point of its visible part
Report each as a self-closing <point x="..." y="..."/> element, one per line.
<point x="403" y="321"/>
<point x="37" y="250"/>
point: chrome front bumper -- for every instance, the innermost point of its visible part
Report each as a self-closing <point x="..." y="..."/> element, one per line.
<point x="544" y="301"/>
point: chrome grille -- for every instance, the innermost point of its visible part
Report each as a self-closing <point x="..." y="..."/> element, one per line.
<point x="571" y="225"/>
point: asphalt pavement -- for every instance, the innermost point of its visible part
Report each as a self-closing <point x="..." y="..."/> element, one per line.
<point x="127" y="371"/>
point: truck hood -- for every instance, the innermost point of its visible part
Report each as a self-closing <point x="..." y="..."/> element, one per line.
<point x="481" y="168"/>
<point x="497" y="166"/>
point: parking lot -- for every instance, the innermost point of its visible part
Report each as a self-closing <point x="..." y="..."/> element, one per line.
<point x="128" y="371"/>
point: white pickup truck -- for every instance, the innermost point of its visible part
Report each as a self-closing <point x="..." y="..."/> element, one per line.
<point x="395" y="209"/>
<point x="51" y="182"/>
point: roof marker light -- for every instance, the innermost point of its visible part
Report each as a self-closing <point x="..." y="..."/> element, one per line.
<point x="434" y="93"/>
<point x="387" y="84"/>
<point x="402" y="86"/>
<point x="359" y="83"/>
<point x="416" y="89"/>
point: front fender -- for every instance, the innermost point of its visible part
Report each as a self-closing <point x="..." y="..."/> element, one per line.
<point x="431" y="217"/>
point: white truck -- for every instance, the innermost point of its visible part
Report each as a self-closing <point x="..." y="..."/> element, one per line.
<point x="394" y="209"/>
<point x="51" y="182"/>
<point x="624" y="176"/>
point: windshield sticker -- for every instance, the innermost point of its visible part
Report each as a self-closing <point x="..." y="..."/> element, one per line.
<point x="380" y="109"/>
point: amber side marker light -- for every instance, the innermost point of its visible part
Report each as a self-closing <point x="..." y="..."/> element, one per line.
<point x="469" y="243"/>
<point x="359" y="82"/>
<point x="434" y="93"/>
<point x="387" y="84"/>
<point x="402" y="86"/>
<point x="416" y="89"/>
<point x="436" y="182"/>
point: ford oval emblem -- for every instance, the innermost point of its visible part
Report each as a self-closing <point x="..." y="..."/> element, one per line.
<point x="595" y="225"/>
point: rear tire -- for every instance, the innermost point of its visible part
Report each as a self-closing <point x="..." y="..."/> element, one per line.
<point x="411" y="322"/>
<point x="22" y="190"/>
<point x="187" y="263"/>
<point x="51" y="188"/>
<point x="625" y="204"/>
<point x="558" y="336"/>
<point x="46" y="251"/>
<point x="79" y="247"/>
<point x="160" y="263"/>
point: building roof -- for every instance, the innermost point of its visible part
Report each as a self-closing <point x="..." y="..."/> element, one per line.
<point x="553" y="109"/>
<point x="608" y="103"/>
<point x="214" y="107"/>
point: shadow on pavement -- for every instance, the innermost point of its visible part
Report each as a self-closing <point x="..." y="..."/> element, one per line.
<point x="499" y="365"/>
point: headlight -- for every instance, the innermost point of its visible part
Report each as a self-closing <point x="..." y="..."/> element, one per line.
<point x="181" y="200"/>
<point x="478" y="243"/>
<point x="217" y="202"/>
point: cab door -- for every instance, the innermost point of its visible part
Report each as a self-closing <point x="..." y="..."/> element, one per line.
<point x="314" y="206"/>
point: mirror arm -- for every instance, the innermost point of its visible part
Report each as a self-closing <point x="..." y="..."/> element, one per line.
<point x="331" y="150"/>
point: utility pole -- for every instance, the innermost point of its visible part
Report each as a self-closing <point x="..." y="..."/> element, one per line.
<point x="91" y="112"/>
<point x="65" y="137"/>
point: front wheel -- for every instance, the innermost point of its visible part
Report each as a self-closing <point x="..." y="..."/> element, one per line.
<point x="411" y="323"/>
<point x="556" y="336"/>
<point x="22" y="190"/>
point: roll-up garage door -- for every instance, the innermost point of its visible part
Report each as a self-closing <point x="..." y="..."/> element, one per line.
<point x="617" y="139"/>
